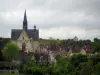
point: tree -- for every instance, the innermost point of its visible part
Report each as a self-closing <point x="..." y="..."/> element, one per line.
<point x="76" y="59"/>
<point x="96" y="40"/>
<point x="96" y="47"/>
<point x="3" y="41"/>
<point x="86" y="69"/>
<point x="97" y="69"/>
<point x="95" y="59"/>
<point x="10" y="51"/>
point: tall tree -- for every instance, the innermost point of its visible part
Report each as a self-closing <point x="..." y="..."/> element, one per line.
<point x="3" y="42"/>
<point x="10" y="51"/>
<point x="96" y="45"/>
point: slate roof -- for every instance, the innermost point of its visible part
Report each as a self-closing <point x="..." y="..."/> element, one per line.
<point x="32" y="33"/>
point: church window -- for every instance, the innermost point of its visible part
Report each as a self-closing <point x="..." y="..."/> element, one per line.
<point x="23" y="46"/>
<point x="23" y="38"/>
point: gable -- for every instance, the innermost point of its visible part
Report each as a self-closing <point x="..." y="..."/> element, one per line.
<point x="23" y="36"/>
<point x="83" y="51"/>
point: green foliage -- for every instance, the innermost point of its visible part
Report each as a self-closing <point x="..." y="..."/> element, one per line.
<point x="85" y="69"/>
<point x="97" y="69"/>
<point x="76" y="59"/>
<point x="77" y="64"/>
<point x="10" y="51"/>
<point x="95" y="59"/>
<point x="3" y="42"/>
<point x="96" y="45"/>
<point x="50" y="41"/>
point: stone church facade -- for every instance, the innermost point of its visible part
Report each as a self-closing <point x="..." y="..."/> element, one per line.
<point x="26" y="39"/>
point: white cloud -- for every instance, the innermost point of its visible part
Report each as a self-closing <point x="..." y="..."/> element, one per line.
<point x="62" y="32"/>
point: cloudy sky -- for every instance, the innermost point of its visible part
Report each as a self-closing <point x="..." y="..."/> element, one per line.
<point x="55" y="18"/>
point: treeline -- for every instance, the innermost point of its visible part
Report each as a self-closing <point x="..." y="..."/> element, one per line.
<point x="70" y="42"/>
<point x="66" y="42"/>
<point x="77" y="64"/>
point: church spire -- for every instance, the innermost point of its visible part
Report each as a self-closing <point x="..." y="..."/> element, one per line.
<point x="25" y="17"/>
<point x="25" y="21"/>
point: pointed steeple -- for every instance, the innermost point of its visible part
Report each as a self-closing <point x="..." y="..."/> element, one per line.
<point x="25" y="17"/>
<point x="25" y="21"/>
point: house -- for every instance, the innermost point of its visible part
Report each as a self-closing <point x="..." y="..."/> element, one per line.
<point x="86" y="49"/>
<point x="75" y="38"/>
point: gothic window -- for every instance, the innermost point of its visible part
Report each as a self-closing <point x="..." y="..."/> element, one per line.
<point x="23" y="46"/>
<point x="23" y="38"/>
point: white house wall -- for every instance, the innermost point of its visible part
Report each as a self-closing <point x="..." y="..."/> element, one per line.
<point x="24" y="39"/>
<point x="36" y="45"/>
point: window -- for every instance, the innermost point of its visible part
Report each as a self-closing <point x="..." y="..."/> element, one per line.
<point x="23" y="38"/>
<point x="23" y="46"/>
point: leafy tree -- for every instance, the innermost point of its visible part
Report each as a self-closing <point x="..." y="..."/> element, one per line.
<point x="10" y="51"/>
<point x="95" y="59"/>
<point x="96" y="40"/>
<point x="76" y="59"/>
<point x="97" y="69"/>
<point x="86" y="69"/>
<point x="3" y="41"/>
<point x="96" y="45"/>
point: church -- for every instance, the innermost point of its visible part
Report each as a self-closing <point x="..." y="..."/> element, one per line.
<point x="26" y="39"/>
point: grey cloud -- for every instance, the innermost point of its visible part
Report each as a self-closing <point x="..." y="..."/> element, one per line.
<point x="83" y="14"/>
